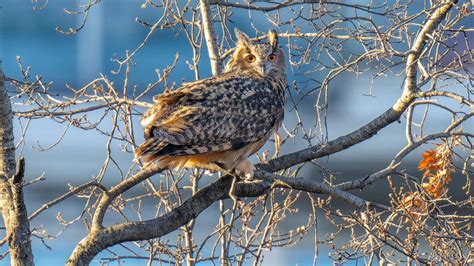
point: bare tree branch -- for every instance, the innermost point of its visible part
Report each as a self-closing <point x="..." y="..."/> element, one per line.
<point x="210" y="36"/>
<point x="12" y="203"/>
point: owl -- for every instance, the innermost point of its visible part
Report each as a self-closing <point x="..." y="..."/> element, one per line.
<point x="218" y="122"/>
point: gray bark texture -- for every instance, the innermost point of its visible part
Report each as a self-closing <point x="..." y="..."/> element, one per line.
<point x="12" y="204"/>
<point x="210" y="36"/>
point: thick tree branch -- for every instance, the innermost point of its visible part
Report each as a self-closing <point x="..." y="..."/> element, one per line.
<point x="418" y="45"/>
<point x="12" y="204"/>
<point x="305" y="184"/>
<point x="339" y="144"/>
<point x="209" y="35"/>
<point x="190" y="209"/>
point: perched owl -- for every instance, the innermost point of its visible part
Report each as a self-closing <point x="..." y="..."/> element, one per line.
<point x="218" y="122"/>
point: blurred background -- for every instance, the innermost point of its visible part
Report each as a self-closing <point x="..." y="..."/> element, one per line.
<point x="111" y="29"/>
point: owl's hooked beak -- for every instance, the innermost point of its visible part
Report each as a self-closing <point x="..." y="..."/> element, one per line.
<point x="264" y="68"/>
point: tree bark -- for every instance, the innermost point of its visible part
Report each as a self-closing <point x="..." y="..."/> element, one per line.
<point x="209" y="35"/>
<point x="12" y="205"/>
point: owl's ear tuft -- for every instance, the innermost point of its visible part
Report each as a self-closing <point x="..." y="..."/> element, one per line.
<point x="243" y="39"/>
<point x="273" y="38"/>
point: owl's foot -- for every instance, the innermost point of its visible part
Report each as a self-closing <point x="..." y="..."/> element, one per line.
<point x="245" y="169"/>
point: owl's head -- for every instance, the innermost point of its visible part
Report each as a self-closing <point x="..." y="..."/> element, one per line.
<point x="266" y="58"/>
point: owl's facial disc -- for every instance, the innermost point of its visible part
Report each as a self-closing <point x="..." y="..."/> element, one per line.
<point x="268" y="59"/>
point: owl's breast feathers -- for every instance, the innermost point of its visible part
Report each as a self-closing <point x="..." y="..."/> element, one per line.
<point x="212" y="123"/>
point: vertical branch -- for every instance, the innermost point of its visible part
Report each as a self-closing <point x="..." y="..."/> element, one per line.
<point x="223" y="238"/>
<point x="189" y="227"/>
<point x="12" y="205"/>
<point x="209" y="35"/>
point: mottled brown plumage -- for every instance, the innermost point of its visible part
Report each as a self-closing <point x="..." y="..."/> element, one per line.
<point x="217" y="123"/>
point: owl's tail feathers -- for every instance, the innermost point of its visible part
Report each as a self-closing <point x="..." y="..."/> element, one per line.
<point x="149" y="150"/>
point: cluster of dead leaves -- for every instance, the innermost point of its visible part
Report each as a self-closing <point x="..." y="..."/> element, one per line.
<point x="436" y="165"/>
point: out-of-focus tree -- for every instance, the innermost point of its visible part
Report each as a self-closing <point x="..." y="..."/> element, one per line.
<point x="426" y="44"/>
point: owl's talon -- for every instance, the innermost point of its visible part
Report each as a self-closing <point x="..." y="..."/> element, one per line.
<point x="245" y="169"/>
<point x="248" y="177"/>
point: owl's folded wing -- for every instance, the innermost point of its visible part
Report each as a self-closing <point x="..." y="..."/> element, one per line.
<point x="210" y="117"/>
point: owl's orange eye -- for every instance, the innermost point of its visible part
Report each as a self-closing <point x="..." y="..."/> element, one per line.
<point x="251" y="58"/>
<point x="272" y="58"/>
